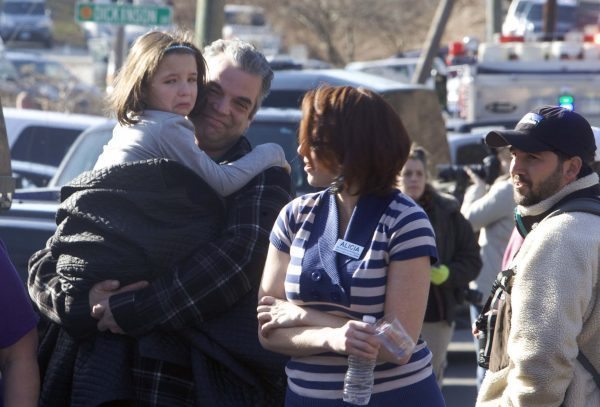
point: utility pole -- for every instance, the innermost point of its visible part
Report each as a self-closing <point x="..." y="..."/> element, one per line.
<point x="493" y="18"/>
<point x="432" y="43"/>
<point x="210" y="17"/>
<point x="119" y="45"/>
<point x="550" y="14"/>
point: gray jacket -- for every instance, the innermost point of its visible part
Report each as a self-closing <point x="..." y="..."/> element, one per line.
<point x="490" y="212"/>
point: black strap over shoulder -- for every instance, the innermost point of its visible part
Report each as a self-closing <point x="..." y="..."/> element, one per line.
<point x="588" y="205"/>
<point x="502" y="283"/>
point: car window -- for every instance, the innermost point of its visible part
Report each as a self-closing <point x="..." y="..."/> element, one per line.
<point x="82" y="157"/>
<point x="401" y="73"/>
<point x="565" y="13"/>
<point x="86" y="150"/>
<point x="44" y="145"/>
<point x="284" y="99"/>
<point x="285" y="134"/>
<point x="520" y="7"/>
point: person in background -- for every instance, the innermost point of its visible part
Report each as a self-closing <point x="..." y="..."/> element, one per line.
<point x="458" y="262"/>
<point x="19" y="373"/>
<point x="489" y="209"/>
<point x="314" y="293"/>
<point x="214" y="290"/>
<point x="547" y="310"/>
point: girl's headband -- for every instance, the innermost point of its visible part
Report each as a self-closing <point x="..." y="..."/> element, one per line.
<point x="180" y="46"/>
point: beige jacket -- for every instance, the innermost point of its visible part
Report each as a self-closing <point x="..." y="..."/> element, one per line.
<point x="556" y="312"/>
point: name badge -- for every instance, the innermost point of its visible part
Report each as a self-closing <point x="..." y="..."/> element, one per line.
<point x="347" y="248"/>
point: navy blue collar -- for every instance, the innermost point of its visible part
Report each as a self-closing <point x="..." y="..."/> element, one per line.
<point x="320" y="254"/>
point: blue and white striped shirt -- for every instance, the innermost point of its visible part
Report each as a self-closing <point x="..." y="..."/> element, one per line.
<point x="317" y="277"/>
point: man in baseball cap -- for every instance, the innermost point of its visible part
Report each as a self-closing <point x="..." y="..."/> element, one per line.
<point x="550" y="132"/>
<point x="549" y="315"/>
<point x="549" y="128"/>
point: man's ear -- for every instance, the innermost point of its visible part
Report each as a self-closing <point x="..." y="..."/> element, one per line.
<point x="571" y="167"/>
<point x="251" y="117"/>
<point x="249" y="124"/>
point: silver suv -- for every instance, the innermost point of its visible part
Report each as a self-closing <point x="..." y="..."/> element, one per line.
<point x="26" y="20"/>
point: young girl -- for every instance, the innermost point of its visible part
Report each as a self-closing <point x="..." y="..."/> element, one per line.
<point x="155" y="90"/>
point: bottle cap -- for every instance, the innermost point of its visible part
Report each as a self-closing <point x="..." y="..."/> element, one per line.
<point x="370" y="319"/>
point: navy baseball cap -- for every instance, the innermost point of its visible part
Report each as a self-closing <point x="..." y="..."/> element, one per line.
<point x="549" y="128"/>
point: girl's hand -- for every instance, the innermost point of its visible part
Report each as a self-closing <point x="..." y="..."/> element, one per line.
<point x="356" y="338"/>
<point x="103" y="290"/>
<point x="276" y="313"/>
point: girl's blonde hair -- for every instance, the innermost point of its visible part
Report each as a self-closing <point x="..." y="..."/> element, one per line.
<point x="127" y="99"/>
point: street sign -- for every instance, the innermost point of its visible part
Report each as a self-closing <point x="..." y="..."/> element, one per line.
<point x="123" y="14"/>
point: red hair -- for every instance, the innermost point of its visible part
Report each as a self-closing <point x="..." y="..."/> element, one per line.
<point x="357" y="130"/>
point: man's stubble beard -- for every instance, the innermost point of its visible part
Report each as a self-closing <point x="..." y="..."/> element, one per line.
<point x="544" y="189"/>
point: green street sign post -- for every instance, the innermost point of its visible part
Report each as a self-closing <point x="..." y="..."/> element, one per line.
<point x="123" y="14"/>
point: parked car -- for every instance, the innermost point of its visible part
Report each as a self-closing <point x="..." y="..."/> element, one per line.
<point x="398" y="69"/>
<point x="31" y="175"/>
<point x="269" y="125"/>
<point x="418" y="105"/>
<point x="51" y="85"/>
<point x="280" y="62"/>
<point x="289" y="86"/>
<point x="26" y="20"/>
<point x="30" y="222"/>
<point x="42" y="138"/>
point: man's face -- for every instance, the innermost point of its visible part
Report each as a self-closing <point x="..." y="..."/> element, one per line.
<point x="537" y="176"/>
<point x="232" y="95"/>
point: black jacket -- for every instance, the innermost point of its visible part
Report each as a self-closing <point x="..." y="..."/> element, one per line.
<point x="129" y="222"/>
<point x="88" y="371"/>
<point x="457" y="248"/>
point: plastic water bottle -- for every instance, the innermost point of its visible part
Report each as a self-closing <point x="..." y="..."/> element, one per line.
<point x="358" y="383"/>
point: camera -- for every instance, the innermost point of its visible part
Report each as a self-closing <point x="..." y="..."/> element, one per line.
<point x="488" y="170"/>
<point x="485" y="324"/>
<point x="472" y="296"/>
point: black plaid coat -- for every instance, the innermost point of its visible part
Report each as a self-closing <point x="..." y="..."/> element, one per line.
<point x="213" y="291"/>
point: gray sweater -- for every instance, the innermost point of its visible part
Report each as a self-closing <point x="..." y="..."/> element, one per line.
<point x="168" y="135"/>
